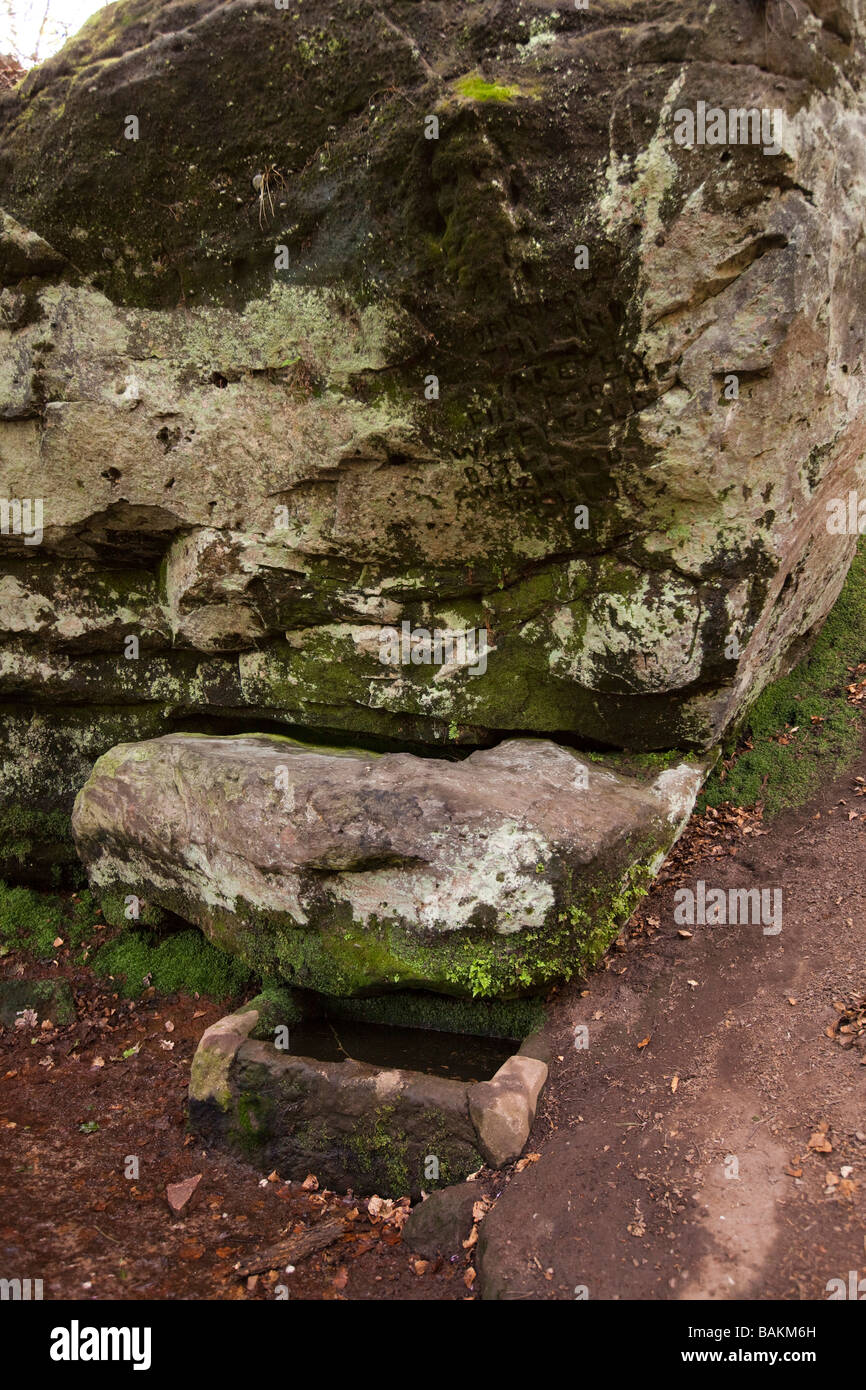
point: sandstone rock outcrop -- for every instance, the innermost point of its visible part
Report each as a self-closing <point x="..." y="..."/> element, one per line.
<point x="352" y="873"/>
<point x="320" y="352"/>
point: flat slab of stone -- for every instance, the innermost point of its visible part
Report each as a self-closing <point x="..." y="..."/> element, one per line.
<point x="348" y="872"/>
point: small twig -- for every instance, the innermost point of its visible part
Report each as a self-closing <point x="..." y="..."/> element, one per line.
<point x="337" y="1040"/>
<point x="106" y="1235"/>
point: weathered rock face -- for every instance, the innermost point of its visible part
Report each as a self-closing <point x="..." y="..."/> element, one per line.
<point x="344" y="874"/>
<point x="223" y="392"/>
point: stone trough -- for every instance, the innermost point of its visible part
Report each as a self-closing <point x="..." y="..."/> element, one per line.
<point x="387" y="1130"/>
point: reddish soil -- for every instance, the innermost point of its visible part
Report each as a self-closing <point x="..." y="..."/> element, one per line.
<point x="69" y="1216"/>
<point x="711" y="1054"/>
<point x="701" y="1049"/>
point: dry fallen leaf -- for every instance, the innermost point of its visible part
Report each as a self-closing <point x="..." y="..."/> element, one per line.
<point x="525" y="1162"/>
<point x="674" y="1084"/>
<point x="469" y="1278"/>
<point x="819" y="1142"/>
<point x="310" y="1183"/>
<point x="420" y="1266"/>
<point x="645" y="1041"/>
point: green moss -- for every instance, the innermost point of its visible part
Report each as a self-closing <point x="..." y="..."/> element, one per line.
<point x="115" y="909"/>
<point x="812" y="700"/>
<point x="380" y="1149"/>
<point x="28" y="837"/>
<point x="277" y="1007"/>
<point x="31" y="921"/>
<point x="456" y="1160"/>
<point x="183" y="961"/>
<point x="383" y="1154"/>
<point x="252" y="1127"/>
<point x="475" y="88"/>
<point x="415" y="1009"/>
<point x="599" y="924"/>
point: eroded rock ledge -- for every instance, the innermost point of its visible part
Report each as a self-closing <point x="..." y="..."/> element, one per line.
<point x="238" y="461"/>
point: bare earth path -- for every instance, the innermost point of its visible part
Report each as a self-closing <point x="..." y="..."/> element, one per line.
<point x="682" y="1168"/>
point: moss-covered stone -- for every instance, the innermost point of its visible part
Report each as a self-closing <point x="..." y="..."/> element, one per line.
<point x="159" y="326"/>
<point x="490" y="877"/>
<point x="411" y="1009"/>
<point x="386" y="1131"/>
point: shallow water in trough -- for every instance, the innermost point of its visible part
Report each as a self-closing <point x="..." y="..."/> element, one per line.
<point x="460" y="1056"/>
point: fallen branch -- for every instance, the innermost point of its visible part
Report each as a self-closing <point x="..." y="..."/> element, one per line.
<point x="290" y="1251"/>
